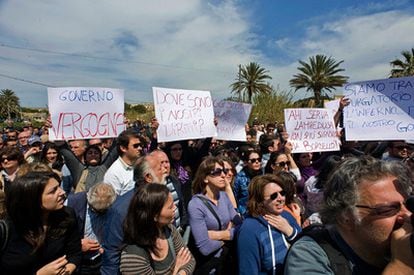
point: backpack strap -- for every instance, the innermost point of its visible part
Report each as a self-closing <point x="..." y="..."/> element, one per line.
<point x="4" y="235"/>
<point x="208" y="205"/>
<point x="339" y="263"/>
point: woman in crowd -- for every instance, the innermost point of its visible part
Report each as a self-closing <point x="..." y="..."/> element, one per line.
<point x="213" y="219"/>
<point x="279" y="161"/>
<point x="264" y="236"/>
<point x="42" y="232"/>
<point x="178" y="154"/>
<point x="293" y="204"/>
<point x="229" y="178"/>
<point x="253" y="168"/>
<point x="11" y="160"/>
<point x="314" y="185"/>
<point x="87" y="174"/>
<point x="51" y="156"/>
<point x="153" y="244"/>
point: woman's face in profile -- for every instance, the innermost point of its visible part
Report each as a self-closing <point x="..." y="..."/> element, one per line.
<point x="230" y="175"/>
<point x="53" y="196"/>
<point x="281" y="163"/>
<point x="274" y="198"/>
<point x="167" y="213"/>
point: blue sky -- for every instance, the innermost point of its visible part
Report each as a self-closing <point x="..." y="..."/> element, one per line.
<point x="191" y="44"/>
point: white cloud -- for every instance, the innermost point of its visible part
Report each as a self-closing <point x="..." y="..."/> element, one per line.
<point x="212" y="39"/>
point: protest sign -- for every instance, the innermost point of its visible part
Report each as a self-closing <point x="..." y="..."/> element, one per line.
<point x="311" y="130"/>
<point x="82" y="113"/>
<point x="183" y="114"/>
<point x="332" y="105"/>
<point x="232" y="117"/>
<point x="380" y="109"/>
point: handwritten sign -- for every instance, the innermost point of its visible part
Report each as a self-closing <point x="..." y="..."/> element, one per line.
<point x="311" y="130"/>
<point x="232" y="117"/>
<point x="380" y="109"/>
<point x="332" y="105"/>
<point x="82" y="113"/>
<point x="183" y="114"/>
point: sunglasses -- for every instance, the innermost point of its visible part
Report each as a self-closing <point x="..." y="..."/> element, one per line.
<point x="9" y="158"/>
<point x="383" y="210"/>
<point x="136" y="145"/>
<point x="217" y="172"/>
<point x="276" y="194"/>
<point x="283" y="163"/>
<point x="255" y="160"/>
<point x="176" y="149"/>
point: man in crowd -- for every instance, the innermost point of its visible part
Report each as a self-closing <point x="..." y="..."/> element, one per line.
<point x="398" y="150"/>
<point x="78" y="147"/>
<point x="367" y="226"/>
<point x="120" y="174"/>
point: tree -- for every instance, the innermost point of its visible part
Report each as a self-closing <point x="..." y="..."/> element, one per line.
<point x="10" y="103"/>
<point x="269" y="107"/>
<point x="403" y="67"/>
<point x="250" y="81"/>
<point x="321" y="73"/>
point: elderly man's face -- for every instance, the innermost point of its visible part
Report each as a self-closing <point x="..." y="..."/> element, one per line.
<point x="381" y="210"/>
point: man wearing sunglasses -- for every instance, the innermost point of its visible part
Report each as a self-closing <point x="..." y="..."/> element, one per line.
<point x="367" y="226"/>
<point x="398" y="150"/>
<point x="120" y="173"/>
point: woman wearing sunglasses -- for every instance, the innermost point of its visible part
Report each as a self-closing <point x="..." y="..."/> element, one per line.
<point x="252" y="168"/>
<point x="213" y="219"/>
<point x="11" y="160"/>
<point x="265" y="234"/>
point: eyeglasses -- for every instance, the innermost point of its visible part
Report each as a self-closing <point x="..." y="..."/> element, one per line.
<point x="283" y="163"/>
<point x="276" y="194"/>
<point x="176" y="149"/>
<point x="217" y="172"/>
<point x="136" y="145"/>
<point x="9" y="158"/>
<point x="383" y="210"/>
<point x="255" y="160"/>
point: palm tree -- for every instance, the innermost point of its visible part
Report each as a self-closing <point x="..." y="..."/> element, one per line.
<point x="251" y="80"/>
<point x="10" y="103"/>
<point x="320" y="73"/>
<point x="403" y="68"/>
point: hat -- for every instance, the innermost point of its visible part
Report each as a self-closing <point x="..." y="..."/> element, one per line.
<point x="34" y="139"/>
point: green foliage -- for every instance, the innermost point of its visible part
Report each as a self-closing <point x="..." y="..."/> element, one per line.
<point x="10" y="104"/>
<point x="270" y="107"/>
<point x="319" y="75"/>
<point x="403" y="67"/>
<point x="251" y="81"/>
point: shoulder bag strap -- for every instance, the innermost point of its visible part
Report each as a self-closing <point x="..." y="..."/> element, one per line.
<point x="207" y="203"/>
<point x="4" y="235"/>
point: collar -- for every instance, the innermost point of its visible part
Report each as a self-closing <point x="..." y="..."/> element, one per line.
<point x="125" y="165"/>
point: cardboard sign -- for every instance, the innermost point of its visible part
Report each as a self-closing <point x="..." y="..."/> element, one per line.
<point x="311" y="130"/>
<point x="232" y="118"/>
<point x="183" y="114"/>
<point x="380" y="109"/>
<point x="82" y="113"/>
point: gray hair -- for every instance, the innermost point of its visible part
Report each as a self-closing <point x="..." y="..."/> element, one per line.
<point x="141" y="170"/>
<point x="341" y="192"/>
<point x="101" y="196"/>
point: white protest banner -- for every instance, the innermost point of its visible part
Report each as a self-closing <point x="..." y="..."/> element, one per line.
<point x="183" y="114"/>
<point x="82" y="113"/>
<point x="232" y="117"/>
<point x="311" y="130"/>
<point x="380" y="109"/>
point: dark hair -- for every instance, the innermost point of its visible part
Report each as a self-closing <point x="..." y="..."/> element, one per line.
<point x="13" y="152"/>
<point x="124" y="137"/>
<point x="93" y="147"/>
<point x="24" y="208"/>
<point x="326" y="169"/>
<point x="59" y="159"/>
<point x="185" y="152"/>
<point x="206" y="166"/>
<point x="287" y="182"/>
<point x="140" y="227"/>
<point x="272" y="159"/>
<point x="255" y="205"/>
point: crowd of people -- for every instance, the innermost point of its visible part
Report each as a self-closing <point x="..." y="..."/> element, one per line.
<point x="133" y="205"/>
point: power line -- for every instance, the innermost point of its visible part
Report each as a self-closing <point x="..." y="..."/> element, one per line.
<point x="25" y="80"/>
<point x="106" y="59"/>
